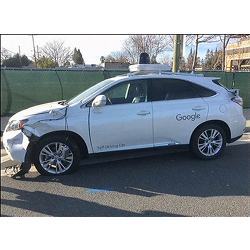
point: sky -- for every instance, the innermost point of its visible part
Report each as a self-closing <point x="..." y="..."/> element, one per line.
<point x="92" y="46"/>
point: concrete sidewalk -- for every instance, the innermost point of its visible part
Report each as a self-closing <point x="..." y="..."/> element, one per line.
<point x="247" y="115"/>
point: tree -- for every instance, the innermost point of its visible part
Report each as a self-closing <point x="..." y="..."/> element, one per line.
<point x="208" y="60"/>
<point x="183" y="64"/>
<point x="25" y="61"/>
<point x="154" y="45"/>
<point x="77" y="57"/>
<point x="190" y="59"/>
<point x="198" y="62"/>
<point x="117" y="56"/>
<point x="188" y="41"/>
<point x="217" y="60"/>
<point x="4" y="54"/>
<point x="67" y="64"/>
<point x="198" y="40"/>
<point x="212" y="60"/>
<point x="46" y="62"/>
<point x="153" y="60"/>
<point x="57" y="52"/>
<point x="166" y="60"/>
<point x="16" y="61"/>
<point x="102" y="59"/>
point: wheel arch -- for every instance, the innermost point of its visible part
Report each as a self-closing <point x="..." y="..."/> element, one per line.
<point x="77" y="138"/>
<point x="220" y="123"/>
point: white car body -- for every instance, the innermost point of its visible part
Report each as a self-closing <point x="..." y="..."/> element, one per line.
<point x="127" y="126"/>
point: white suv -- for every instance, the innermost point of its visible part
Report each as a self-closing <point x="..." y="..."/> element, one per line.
<point x="133" y="111"/>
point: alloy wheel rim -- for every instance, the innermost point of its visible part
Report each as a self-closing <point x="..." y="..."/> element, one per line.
<point x="56" y="157"/>
<point x="210" y="142"/>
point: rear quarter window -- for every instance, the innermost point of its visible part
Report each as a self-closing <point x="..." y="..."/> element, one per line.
<point x="202" y="91"/>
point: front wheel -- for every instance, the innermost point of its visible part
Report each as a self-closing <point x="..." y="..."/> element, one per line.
<point x="56" y="155"/>
<point x="208" y="142"/>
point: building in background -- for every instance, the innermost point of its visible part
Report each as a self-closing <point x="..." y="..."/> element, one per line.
<point x="238" y="56"/>
<point x="85" y="67"/>
<point x="115" y="65"/>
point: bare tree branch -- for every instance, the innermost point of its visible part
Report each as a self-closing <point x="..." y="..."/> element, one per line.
<point x="154" y="45"/>
<point x="5" y="54"/>
<point x="202" y="39"/>
<point x="117" y="56"/>
<point x="57" y="52"/>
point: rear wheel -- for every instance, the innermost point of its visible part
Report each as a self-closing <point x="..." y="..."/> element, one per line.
<point x="56" y="155"/>
<point x="208" y="142"/>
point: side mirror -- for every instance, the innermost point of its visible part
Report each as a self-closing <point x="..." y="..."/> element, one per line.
<point x="99" y="101"/>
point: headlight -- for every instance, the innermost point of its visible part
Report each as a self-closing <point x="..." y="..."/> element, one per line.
<point x="15" y="125"/>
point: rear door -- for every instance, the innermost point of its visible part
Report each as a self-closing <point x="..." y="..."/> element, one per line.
<point x="177" y="110"/>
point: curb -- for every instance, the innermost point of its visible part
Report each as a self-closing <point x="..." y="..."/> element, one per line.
<point x="7" y="162"/>
<point x="3" y="152"/>
<point x="247" y="126"/>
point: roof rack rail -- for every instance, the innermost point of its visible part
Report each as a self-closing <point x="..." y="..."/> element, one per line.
<point x="164" y="73"/>
<point x="182" y="73"/>
<point x="161" y="69"/>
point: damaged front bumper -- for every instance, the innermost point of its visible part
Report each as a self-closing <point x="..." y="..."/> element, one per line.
<point x="19" y="148"/>
<point x="16" y="144"/>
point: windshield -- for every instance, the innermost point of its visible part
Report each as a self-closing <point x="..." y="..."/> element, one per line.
<point x="90" y="91"/>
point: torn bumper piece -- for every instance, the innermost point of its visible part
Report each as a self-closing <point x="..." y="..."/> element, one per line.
<point x="15" y="144"/>
<point x="19" y="148"/>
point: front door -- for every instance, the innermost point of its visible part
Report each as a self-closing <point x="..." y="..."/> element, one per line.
<point x="125" y="122"/>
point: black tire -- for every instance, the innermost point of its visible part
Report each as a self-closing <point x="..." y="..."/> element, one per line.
<point x="195" y="141"/>
<point x="70" y="143"/>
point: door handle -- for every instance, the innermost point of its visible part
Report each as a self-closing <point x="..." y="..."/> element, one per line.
<point x="143" y="113"/>
<point x="198" y="108"/>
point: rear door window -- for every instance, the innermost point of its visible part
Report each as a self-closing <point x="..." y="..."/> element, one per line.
<point x="176" y="89"/>
<point x="171" y="89"/>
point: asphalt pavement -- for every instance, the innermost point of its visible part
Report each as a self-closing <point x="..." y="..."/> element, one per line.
<point x="145" y="183"/>
<point x="161" y="183"/>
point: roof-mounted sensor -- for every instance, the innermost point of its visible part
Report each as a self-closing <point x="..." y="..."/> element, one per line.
<point x="149" y="68"/>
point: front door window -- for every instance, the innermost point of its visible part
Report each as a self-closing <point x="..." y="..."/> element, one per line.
<point x="127" y="92"/>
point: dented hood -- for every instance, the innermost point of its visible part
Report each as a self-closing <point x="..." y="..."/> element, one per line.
<point x="45" y="109"/>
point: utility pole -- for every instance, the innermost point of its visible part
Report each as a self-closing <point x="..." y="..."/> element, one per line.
<point x="19" y="51"/>
<point x="178" y="50"/>
<point x="34" y="50"/>
<point x="38" y="52"/>
<point x="224" y="53"/>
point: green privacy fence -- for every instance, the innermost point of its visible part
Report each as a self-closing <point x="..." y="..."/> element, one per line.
<point x="21" y="89"/>
<point x="238" y="80"/>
